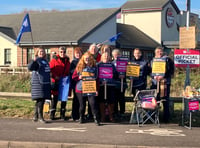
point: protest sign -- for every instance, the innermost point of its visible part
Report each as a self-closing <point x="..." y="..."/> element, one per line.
<point x="158" y="67"/>
<point x="133" y="70"/>
<point x="89" y="87"/>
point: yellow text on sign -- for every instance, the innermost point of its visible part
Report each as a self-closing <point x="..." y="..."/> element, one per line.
<point x="133" y="70"/>
<point x="159" y="67"/>
<point x="89" y="86"/>
<point x="87" y="74"/>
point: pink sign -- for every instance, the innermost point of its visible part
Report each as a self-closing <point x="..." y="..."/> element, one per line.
<point x="121" y="64"/>
<point x="193" y="105"/>
<point x="105" y="72"/>
<point x="182" y="58"/>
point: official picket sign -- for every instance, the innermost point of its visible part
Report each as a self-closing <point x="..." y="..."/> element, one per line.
<point x="182" y="58"/>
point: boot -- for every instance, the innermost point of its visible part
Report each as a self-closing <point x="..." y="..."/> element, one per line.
<point x="81" y="119"/>
<point x="35" y="118"/>
<point x="62" y="110"/>
<point x="40" y="111"/>
<point x="111" y="111"/>
<point x="62" y="114"/>
<point x="52" y="114"/>
<point x="102" y="112"/>
<point x="96" y="121"/>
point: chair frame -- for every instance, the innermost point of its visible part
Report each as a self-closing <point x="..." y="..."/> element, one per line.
<point x="137" y="106"/>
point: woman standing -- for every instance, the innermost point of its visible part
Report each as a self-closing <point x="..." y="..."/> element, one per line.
<point x="86" y="64"/>
<point x="107" y="80"/>
<point x="40" y="83"/>
<point x="75" y="102"/>
<point x="119" y="94"/>
<point x="59" y="66"/>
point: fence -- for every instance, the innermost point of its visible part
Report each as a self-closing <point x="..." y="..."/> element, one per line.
<point x="177" y="84"/>
<point x="13" y="70"/>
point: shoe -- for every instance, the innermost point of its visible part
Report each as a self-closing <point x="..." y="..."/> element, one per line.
<point x="35" y="119"/>
<point x="42" y="121"/>
<point x="97" y="122"/>
<point x="81" y="120"/>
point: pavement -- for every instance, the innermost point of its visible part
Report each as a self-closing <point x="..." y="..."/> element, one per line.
<point x="23" y="133"/>
<point x="19" y="133"/>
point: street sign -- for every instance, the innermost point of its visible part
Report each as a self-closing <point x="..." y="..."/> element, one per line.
<point x="182" y="58"/>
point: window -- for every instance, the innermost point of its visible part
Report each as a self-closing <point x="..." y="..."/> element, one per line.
<point x="7" y="55"/>
<point x="126" y="53"/>
<point x="30" y="54"/>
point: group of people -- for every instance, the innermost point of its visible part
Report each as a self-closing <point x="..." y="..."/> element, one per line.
<point x="108" y="102"/>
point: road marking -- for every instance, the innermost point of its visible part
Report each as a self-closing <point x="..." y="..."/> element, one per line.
<point x="63" y="129"/>
<point x="157" y="132"/>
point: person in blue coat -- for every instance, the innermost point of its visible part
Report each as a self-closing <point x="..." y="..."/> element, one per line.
<point x="40" y="83"/>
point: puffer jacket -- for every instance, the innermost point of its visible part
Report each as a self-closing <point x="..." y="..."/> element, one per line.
<point x="40" y="80"/>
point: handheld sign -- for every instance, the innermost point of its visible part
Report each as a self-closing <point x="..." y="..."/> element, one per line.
<point x="89" y="86"/>
<point x="121" y="68"/>
<point x="105" y="71"/>
<point x="87" y="74"/>
<point x="158" y="67"/>
<point x="133" y="70"/>
<point x="121" y="65"/>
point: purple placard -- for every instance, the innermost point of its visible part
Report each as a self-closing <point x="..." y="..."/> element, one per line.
<point x="193" y="105"/>
<point x="121" y="64"/>
<point x="105" y="72"/>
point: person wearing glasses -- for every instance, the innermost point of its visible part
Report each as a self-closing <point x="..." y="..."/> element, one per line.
<point x="59" y="66"/>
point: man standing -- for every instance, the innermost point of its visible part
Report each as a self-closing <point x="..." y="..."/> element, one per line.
<point x="166" y="78"/>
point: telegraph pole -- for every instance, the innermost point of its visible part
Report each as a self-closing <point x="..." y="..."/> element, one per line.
<point x="187" y="79"/>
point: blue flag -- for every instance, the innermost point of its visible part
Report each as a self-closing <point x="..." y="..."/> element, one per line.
<point x="26" y="27"/>
<point x="114" y="38"/>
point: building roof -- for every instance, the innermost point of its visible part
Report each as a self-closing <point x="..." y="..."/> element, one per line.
<point x="8" y="31"/>
<point x="132" y="37"/>
<point x="59" y="27"/>
<point x="147" y="5"/>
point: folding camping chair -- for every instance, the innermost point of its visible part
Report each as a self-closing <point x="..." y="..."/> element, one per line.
<point x="146" y="107"/>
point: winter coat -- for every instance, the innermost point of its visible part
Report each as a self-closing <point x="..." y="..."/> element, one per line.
<point x="59" y="69"/>
<point x="76" y="75"/>
<point x="71" y="70"/>
<point x="144" y="71"/>
<point x="40" y="80"/>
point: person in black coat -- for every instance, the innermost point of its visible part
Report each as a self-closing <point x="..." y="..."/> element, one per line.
<point x="140" y="83"/>
<point x="169" y="71"/>
<point x="40" y="83"/>
<point x="75" y="102"/>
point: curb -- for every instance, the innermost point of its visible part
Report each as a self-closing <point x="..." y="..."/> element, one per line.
<point x="15" y="144"/>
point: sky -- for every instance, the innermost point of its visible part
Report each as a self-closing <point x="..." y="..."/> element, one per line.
<point x="17" y="6"/>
